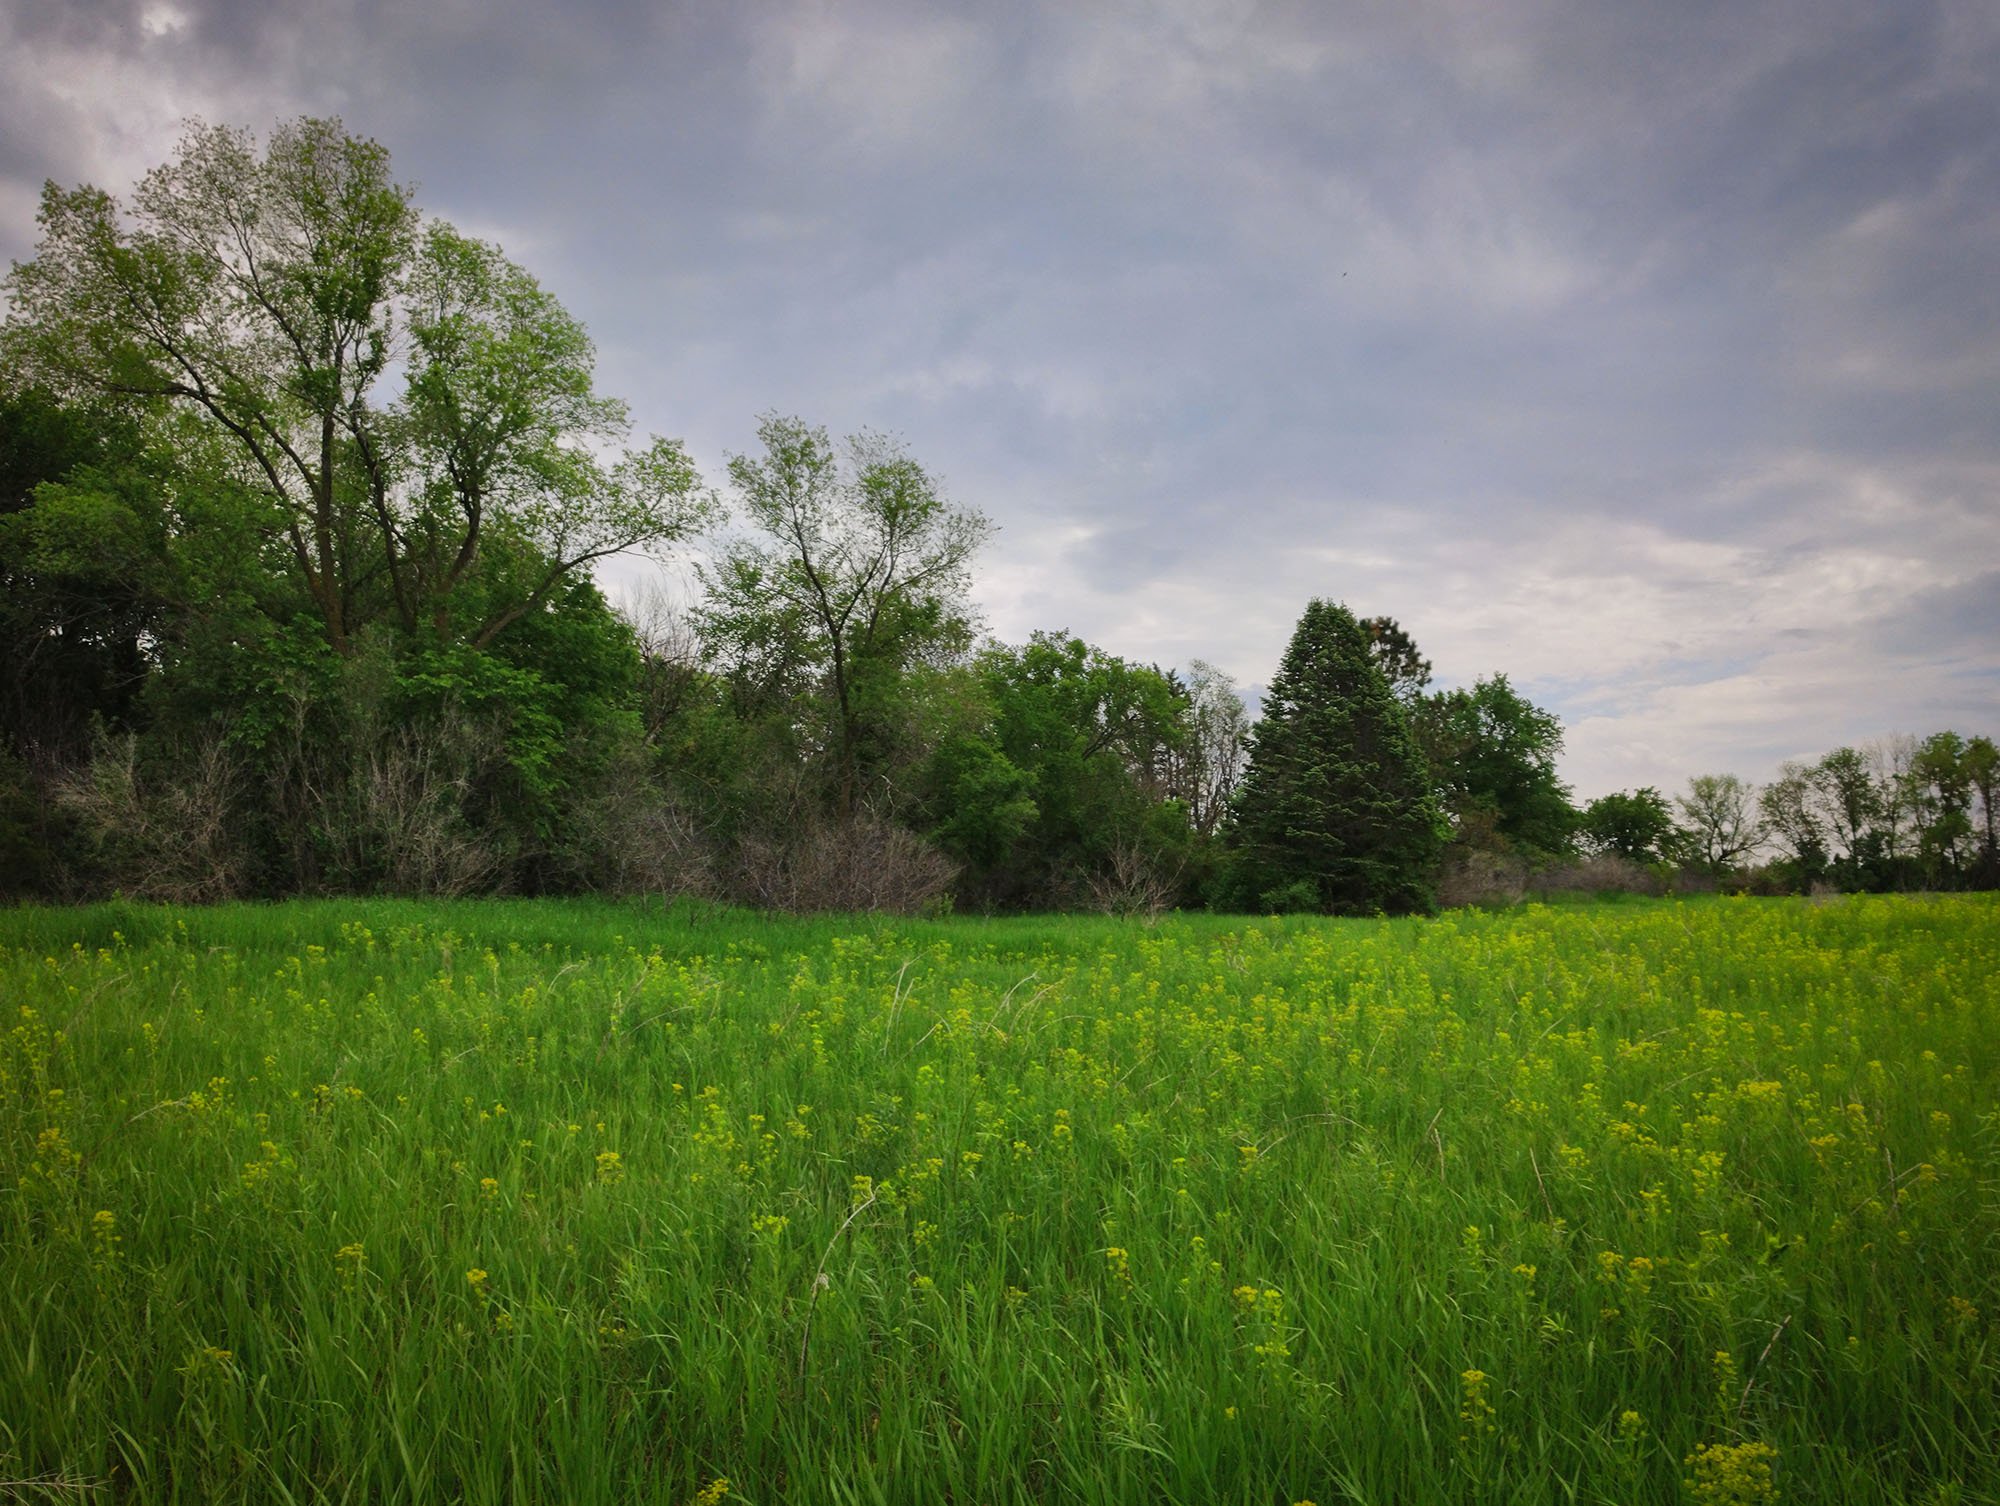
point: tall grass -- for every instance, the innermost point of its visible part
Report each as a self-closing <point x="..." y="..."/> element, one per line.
<point x="585" y="1202"/>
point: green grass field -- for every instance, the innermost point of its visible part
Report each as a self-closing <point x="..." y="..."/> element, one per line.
<point x="587" y="1203"/>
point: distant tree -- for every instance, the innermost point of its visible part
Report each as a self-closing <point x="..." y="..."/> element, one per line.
<point x="1981" y="764"/>
<point x="1844" y="799"/>
<point x="1335" y="812"/>
<point x="856" y="575"/>
<point x="1493" y="755"/>
<point x="1892" y="833"/>
<point x="1079" y="741"/>
<point x="1718" y="815"/>
<point x="1637" y="825"/>
<point x="1207" y="761"/>
<point x="1791" y="816"/>
<point x="1943" y="798"/>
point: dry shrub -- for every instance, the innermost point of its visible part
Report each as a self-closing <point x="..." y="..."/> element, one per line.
<point x="166" y="830"/>
<point x="369" y="801"/>
<point x="1606" y="873"/>
<point x="410" y="796"/>
<point x="1132" y="883"/>
<point x="632" y="837"/>
<point x="867" y="863"/>
<point x="1475" y="876"/>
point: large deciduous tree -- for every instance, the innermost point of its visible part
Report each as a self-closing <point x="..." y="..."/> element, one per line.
<point x="1335" y="812"/>
<point x="401" y="395"/>
<point x="1718" y="813"/>
<point x="855" y="576"/>
<point x="376" y="473"/>
<point x="1637" y="825"/>
<point x="1493" y="755"/>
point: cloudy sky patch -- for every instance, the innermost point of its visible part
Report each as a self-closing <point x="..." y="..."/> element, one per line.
<point x="1647" y="354"/>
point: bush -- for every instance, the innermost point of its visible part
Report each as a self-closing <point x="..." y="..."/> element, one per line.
<point x="867" y="863"/>
<point x="629" y="836"/>
<point x="33" y="834"/>
<point x="1299" y="897"/>
<point x="1476" y="876"/>
<point x="160" y="824"/>
<point x="1604" y="874"/>
<point x="1134" y="881"/>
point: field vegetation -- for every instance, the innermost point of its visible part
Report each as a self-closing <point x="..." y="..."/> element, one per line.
<point x="590" y="1202"/>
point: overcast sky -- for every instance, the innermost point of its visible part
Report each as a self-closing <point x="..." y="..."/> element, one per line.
<point x="1649" y="353"/>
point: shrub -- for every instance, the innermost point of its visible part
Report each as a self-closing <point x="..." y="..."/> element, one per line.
<point x="820" y="863"/>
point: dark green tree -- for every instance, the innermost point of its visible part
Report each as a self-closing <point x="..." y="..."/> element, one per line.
<point x="1981" y="764"/>
<point x="1493" y="755"/>
<point x="1637" y="825"/>
<point x="1073" y="775"/>
<point x="1396" y="655"/>
<point x="1335" y="812"/>
<point x="83" y="575"/>
<point x="1943" y="796"/>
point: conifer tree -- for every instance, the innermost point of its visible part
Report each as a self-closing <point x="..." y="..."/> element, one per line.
<point x="1335" y="812"/>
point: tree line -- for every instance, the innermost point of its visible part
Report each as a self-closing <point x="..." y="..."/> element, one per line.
<point x="300" y="492"/>
<point x="1903" y="813"/>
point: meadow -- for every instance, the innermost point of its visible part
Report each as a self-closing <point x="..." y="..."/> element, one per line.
<point x="591" y="1203"/>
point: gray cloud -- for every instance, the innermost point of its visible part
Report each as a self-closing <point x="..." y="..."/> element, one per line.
<point x="1646" y="353"/>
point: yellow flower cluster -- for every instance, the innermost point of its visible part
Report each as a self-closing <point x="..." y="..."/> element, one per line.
<point x="1732" y="1474"/>
<point x="1477" y="1416"/>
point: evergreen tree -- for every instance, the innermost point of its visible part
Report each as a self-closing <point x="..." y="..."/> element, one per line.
<point x="1335" y="812"/>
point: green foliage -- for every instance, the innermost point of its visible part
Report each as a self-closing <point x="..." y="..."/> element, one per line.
<point x="1494" y="755"/>
<point x="265" y="295"/>
<point x="1087" y="736"/>
<point x="1980" y="766"/>
<point x="983" y="804"/>
<point x="1942" y="788"/>
<point x="854" y="579"/>
<point x="376" y="608"/>
<point x="1336" y="796"/>
<point x="84" y="579"/>
<point x="1637" y="825"/>
<point x="301" y="491"/>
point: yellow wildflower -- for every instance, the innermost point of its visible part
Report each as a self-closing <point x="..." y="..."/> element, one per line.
<point x="1732" y="1474"/>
